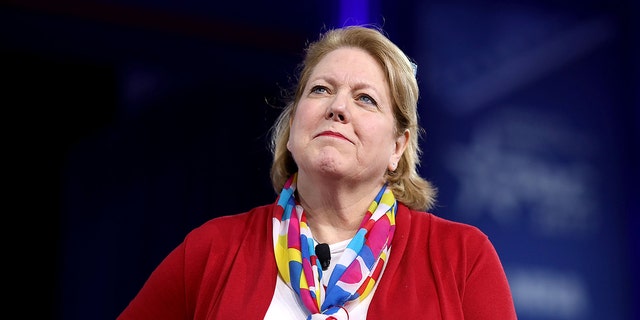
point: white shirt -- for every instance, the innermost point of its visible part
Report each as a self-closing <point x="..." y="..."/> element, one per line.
<point x="286" y="304"/>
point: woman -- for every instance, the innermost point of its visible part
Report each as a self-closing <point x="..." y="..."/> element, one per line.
<point x="345" y="157"/>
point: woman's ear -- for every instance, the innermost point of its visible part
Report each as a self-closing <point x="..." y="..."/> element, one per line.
<point x="399" y="147"/>
<point x="289" y="137"/>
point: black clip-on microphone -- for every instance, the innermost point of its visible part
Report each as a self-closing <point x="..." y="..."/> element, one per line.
<point x="324" y="255"/>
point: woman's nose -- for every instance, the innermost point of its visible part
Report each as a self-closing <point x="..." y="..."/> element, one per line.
<point x="337" y="110"/>
<point x="336" y="115"/>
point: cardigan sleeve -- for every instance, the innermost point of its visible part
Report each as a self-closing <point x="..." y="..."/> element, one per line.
<point x="174" y="290"/>
<point x="486" y="293"/>
<point x="441" y="269"/>
<point x="223" y="261"/>
<point x="163" y="294"/>
<point x="171" y="291"/>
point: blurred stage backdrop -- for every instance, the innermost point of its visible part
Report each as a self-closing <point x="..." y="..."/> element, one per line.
<point x="140" y="120"/>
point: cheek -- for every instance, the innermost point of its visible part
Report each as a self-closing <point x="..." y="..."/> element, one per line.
<point x="295" y="131"/>
<point x="380" y="134"/>
<point x="301" y="125"/>
<point x="302" y="117"/>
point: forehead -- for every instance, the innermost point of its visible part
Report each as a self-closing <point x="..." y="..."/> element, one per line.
<point x="351" y="59"/>
<point x="352" y="66"/>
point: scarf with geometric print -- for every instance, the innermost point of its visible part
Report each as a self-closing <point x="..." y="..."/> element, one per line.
<point x="359" y="267"/>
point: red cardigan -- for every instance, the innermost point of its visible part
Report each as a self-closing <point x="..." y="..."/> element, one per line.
<point x="225" y="269"/>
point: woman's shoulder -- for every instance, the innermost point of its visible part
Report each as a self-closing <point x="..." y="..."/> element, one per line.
<point x="448" y="241"/>
<point x="232" y="224"/>
<point x="444" y="228"/>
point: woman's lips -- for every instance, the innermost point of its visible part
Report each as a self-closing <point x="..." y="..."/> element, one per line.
<point x="332" y="134"/>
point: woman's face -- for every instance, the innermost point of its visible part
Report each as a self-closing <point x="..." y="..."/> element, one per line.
<point x="344" y="126"/>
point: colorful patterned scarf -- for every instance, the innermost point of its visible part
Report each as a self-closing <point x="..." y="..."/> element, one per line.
<point x="357" y="271"/>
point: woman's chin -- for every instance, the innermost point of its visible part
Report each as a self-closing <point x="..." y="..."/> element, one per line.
<point x="329" y="170"/>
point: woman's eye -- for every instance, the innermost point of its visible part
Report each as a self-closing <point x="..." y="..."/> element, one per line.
<point x="319" y="89"/>
<point x="367" y="99"/>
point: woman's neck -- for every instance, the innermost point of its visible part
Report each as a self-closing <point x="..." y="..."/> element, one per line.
<point x="335" y="210"/>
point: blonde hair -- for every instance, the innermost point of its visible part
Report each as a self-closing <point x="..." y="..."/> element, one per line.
<point x="405" y="182"/>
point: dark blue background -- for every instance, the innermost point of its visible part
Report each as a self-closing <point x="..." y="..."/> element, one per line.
<point x="130" y="123"/>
